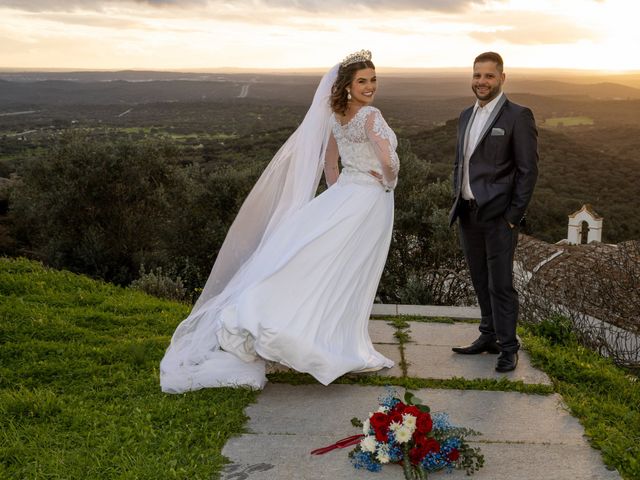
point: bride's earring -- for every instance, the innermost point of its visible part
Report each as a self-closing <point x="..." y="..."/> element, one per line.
<point x="348" y="95"/>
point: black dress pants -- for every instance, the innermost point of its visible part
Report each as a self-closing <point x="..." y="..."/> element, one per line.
<point x="489" y="247"/>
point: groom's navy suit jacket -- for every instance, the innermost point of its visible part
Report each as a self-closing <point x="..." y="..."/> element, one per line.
<point x="503" y="167"/>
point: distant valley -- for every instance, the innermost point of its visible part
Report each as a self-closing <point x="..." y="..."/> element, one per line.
<point x="589" y="140"/>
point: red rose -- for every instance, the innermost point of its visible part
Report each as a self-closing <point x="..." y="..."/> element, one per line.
<point x="379" y="420"/>
<point x="422" y="446"/>
<point x="453" y="455"/>
<point x="424" y="424"/>
<point x="419" y="445"/>
<point x="412" y="410"/>
<point x="399" y="408"/>
<point x="425" y="444"/>
<point x="380" y="423"/>
<point x="431" y="445"/>
<point x="415" y="455"/>
<point x="395" y="417"/>
<point x="382" y="435"/>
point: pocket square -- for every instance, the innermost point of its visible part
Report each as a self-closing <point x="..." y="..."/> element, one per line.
<point x="497" y="131"/>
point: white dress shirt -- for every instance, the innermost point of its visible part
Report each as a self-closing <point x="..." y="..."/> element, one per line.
<point x="479" y="118"/>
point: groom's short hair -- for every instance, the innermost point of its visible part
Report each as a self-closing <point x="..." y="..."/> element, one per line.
<point x="490" y="57"/>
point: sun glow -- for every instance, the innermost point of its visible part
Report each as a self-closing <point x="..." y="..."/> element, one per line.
<point x="572" y="34"/>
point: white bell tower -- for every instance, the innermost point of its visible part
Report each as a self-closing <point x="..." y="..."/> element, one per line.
<point x="585" y="226"/>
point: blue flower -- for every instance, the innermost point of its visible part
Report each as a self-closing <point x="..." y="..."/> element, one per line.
<point x="390" y="399"/>
<point x="432" y="462"/>
<point x="451" y="443"/>
<point x="391" y="438"/>
<point x="365" y="460"/>
<point x="441" y="422"/>
<point x="395" y="453"/>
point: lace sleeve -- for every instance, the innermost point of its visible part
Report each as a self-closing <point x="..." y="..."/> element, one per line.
<point x="384" y="143"/>
<point x="331" y="170"/>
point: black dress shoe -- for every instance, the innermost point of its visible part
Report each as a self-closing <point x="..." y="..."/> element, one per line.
<point x="507" y="361"/>
<point x="479" y="346"/>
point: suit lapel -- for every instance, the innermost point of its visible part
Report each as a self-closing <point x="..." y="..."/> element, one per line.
<point x="491" y="120"/>
<point x="464" y="127"/>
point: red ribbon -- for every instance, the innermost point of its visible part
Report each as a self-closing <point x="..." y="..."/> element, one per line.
<point x="344" y="443"/>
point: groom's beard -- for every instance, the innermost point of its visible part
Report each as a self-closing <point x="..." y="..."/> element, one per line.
<point x="488" y="93"/>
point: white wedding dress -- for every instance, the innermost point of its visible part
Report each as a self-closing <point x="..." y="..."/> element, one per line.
<point x="304" y="296"/>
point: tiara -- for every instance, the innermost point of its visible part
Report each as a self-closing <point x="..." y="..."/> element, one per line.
<point x="361" y="56"/>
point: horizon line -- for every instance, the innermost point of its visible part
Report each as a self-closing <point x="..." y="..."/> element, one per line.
<point x="307" y="70"/>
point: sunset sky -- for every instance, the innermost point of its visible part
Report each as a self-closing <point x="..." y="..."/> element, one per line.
<point x="209" y="34"/>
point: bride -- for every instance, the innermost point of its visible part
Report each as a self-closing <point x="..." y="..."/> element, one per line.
<point x="296" y="276"/>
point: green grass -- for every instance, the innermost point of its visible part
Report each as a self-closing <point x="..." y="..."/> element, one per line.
<point x="416" y="318"/>
<point x="604" y="397"/>
<point x="79" y="391"/>
<point x="413" y="383"/>
<point x="402" y="334"/>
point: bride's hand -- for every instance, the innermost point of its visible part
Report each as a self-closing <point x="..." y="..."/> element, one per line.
<point x="376" y="175"/>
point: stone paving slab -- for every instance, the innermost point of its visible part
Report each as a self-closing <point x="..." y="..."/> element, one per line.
<point x="445" y="334"/>
<point x="524" y="436"/>
<point x="382" y="332"/>
<point x="386" y="309"/>
<point x="429" y="355"/>
<point x="441" y="363"/>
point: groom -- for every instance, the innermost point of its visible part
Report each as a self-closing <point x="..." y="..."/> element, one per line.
<point x="494" y="176"/>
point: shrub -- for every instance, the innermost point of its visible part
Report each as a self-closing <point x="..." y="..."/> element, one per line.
<point x="159" y="284"/>
<point x="99" y="207"/>
<point x="557" y="328"/>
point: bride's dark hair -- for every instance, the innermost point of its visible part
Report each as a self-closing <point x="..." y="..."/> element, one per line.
<point x="339" y="101"/>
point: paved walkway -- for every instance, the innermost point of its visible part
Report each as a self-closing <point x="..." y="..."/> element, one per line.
<point x="524" y="436"/>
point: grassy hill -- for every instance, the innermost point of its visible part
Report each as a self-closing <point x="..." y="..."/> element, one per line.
<point x="79" y="392"/>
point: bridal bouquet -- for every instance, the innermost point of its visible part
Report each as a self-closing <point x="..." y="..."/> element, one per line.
<point x="406" y="433"/>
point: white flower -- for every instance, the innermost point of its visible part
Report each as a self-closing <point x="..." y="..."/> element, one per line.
<point x="368" y="444"/>
<point x="403" y="434"/>
<point x="409" y="421"/>
<point x="393" y="426"/>
<point x="383" y="409"/>
<point x="366" y="426"/>
<point x="383" y="453"/>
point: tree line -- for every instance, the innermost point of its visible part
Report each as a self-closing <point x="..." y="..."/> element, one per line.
<point x="129" y="210"/>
